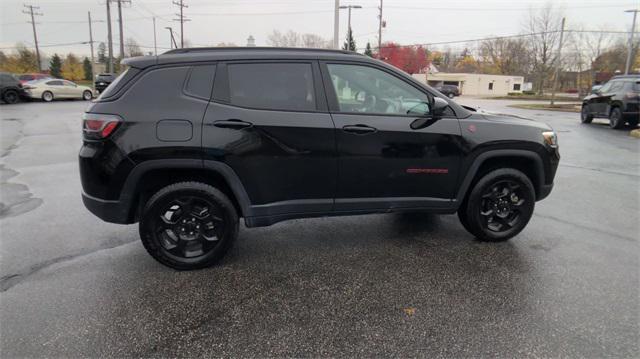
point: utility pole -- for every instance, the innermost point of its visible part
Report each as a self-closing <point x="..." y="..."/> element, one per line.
<point x="380" y="31"/>
<point x="336" y="24"/>
<point x="155" y="42"/>
<point x="558" y="63"/>
<point x="35" y="34"/>
<point x="627" y="66"/>
<point x="350" y="7"/>
<point x="93" y="62"/>
<point x="109" y="38"/>
<point x="182" y="20"/>
<point x="120" y="26"/>
<point x="172" y="41"/>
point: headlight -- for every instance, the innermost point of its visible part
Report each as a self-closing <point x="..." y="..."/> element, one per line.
<point x="550" y="138"/>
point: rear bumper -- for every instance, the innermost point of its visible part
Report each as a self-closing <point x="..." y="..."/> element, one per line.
<point x="108" y="211"/>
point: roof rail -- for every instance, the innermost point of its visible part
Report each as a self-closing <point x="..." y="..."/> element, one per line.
<point x="260" y="48"/>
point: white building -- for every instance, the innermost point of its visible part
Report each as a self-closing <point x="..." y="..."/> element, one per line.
<point x="475" y="84"/>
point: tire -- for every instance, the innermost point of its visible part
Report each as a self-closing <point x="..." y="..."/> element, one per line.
<point x="179" y="232"/>
<point x="451" y="95"/>
<point x="11" y="97"/>
<point x="512" y="211"/>
<point x="87" y="95"/>
<point x="585" y="117"/>
<point x="47" y="96"/>
<point x="616" y="120"/>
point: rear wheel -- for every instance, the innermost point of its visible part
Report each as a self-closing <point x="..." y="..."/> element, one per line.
<point x="47" y="96"/>
<point x="11" y="97"/>
<point x="451" y="95"/>
<point x="87" y="95"/>
<point x="499" y="206"/>
<point x="188" y="225"/>
<point x="615" y="118"/>
<point x="585" y="116"/>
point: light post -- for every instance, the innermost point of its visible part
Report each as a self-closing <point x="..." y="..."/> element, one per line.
<point x="350" y="7"/>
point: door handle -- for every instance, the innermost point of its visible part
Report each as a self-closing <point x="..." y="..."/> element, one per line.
<point x="359" y="129"/>
<point x="233" y="124"/>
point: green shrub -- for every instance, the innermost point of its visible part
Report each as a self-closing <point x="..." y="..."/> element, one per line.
<point x="514" y="93"/>
<point x="528" y="92"/>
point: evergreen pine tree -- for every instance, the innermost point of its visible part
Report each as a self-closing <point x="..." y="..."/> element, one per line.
<point x="350" y="43"/>
<point x="88" y="69"/>
<point x="55" y="66"/>
<point x="368" y="51"/>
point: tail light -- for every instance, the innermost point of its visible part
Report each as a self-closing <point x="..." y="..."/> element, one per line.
<point x="97" y="126"/>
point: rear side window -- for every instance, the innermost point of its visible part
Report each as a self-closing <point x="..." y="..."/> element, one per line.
<point x="200" y="81"/>
<point x="272" y="86"/>
<point x="55" y="83"/>
<point x="120" y="81"/>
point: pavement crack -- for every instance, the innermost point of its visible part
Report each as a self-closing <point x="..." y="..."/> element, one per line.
<point x="633" y="175"/>
<point x="10" y="280"/>
<point x="589" y="228"/>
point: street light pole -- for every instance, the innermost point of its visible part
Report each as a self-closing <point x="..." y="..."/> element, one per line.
<point x="172" y="42"/>
<point x="93" y="62"/>
<point x="630" y="48"/>
<point x="336" y="24"/>
<point x="349" y="7"/>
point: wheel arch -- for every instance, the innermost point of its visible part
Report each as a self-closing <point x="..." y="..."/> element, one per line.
<point x="528" y="162"/>
<point x="150" y="176"/>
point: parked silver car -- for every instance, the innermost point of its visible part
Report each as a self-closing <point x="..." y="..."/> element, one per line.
<point x="51" y="89"/>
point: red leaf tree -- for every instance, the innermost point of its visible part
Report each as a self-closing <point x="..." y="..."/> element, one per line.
<point x="411" y="59"/>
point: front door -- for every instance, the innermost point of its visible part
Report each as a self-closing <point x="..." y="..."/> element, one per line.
<point x="383" y="162"/>
<point x="269" y="122"/>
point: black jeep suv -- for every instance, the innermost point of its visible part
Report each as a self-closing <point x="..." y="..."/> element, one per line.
<point x="188" y="142"/>
<point x="618" y="100"/>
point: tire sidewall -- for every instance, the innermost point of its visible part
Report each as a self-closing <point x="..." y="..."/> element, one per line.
<point x="158" y="202"/>
<point x="10" y="97"/>
<point x="44" y="96"/>
<point x="85" y="97"/>
<point x="615" y="118"/>
<point x="473" y="216"/>
<point x="584" y="116"/>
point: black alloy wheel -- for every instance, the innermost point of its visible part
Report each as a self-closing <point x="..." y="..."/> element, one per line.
<point x="188" y="225"/>
<point x="11" y="97"/>
<point x="499" y="206"/>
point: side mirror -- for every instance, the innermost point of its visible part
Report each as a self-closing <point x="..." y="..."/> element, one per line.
<point x="438" y="107"/>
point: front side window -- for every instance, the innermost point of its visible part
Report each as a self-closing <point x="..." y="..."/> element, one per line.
<point x="54" y="83"/>
<point x="272" y="86"/>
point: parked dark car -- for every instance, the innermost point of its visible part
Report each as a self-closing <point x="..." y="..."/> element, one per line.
<point x="103" y="81"/>
<point x="11" y="90"/>
<point x="24" y="78"/>
<point x="450" y="91"/>
<point x="188" y="142"/>
<point x="618" y="100"/>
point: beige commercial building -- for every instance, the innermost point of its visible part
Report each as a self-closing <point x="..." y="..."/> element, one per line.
<point x="475" y="84"/>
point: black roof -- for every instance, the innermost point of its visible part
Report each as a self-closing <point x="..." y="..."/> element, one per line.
<point x="197" y="54"/>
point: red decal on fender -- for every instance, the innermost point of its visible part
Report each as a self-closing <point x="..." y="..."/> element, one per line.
<point x="428" y="170"/>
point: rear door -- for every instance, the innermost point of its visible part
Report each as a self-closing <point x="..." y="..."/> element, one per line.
<point x="383" y="162"/>
<point x="269" y="122"/>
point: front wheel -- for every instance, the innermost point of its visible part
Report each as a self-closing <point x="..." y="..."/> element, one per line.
<point x="11" y="97"/>
<point x="188" y="225"/>
<point x="499" y="206"/>
<point x="87" y="95"/>
<point x="451" y="95"/>
<point x="616" y="120"/>
<point x="585" y="116"/>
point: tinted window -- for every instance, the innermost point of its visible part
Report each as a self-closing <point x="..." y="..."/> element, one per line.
<point x="272" y="86"/>
<point x="636" y="86"/>
<point x="200" y="81"/>
<point x="54" y="83"/>
<point x="364" y="89"/>
<point x="120" y="81"/>
<point x="606" y="87"/>
<point x="6" y="78"/>
<point x="616" y="86"/>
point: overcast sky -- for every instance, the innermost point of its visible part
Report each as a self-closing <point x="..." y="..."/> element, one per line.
<point x="215" y="21"/>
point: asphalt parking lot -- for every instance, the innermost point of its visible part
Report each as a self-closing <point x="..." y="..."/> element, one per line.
<point x="379" y="285"/>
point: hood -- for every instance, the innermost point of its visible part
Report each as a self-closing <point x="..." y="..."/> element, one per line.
<point x="510" y="119"/>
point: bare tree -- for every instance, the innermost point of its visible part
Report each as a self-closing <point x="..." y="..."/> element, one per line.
<point x="293" y="39"/>
<point x="544" y="24"/>
<point x="132" y="48"/>
<point x="506" y="56"/>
